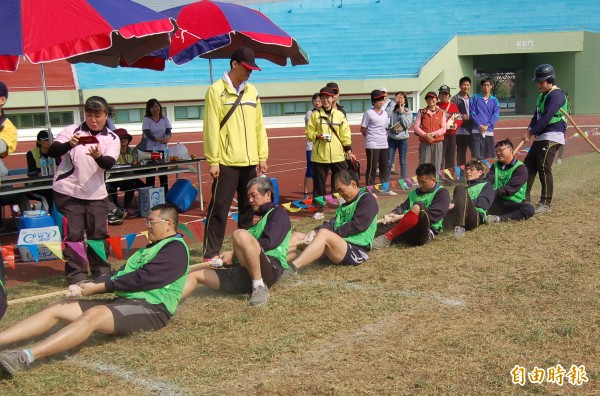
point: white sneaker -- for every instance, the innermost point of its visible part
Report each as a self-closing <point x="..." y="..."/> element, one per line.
<point x="389" y="192"/>
<point x="319" y="216"/>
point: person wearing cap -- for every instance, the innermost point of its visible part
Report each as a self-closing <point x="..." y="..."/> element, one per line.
<point x="373" y="128"/>
<point x="430" y="127"/>
<point x="308" y="175"/>
<point x="388" y="104"/>
<point x="235" y="144"/>
<point x="35" y="157"/>
<point x="397" y="133"/>
<point x="129" y="186"/>
<point x="453" y="122"/>
<point x="463" y="133"/>
<point x="547" y="129"/>
<point x="336" y="97"/>
<point x="328" y="129"/>
<point x="485" y="112"/>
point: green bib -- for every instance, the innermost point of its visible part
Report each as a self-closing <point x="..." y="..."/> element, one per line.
<point x="559" y="116"/>
<point x="345" y="213"/>
<point x="501" y="177"/>
<point x="169" y="294"/>
<point x="280" y="252"/>
<point x="427" y="199"/>
<point x="474" y="192"/>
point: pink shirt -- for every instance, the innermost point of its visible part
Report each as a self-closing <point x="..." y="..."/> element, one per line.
<point x="78" y="174"/>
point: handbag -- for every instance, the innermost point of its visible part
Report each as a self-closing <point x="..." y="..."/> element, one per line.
<point x="351" y="164"/>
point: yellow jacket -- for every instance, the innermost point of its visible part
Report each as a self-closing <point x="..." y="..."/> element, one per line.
<point x="8" y="133"/>
<point x="326" y="152"/>
<point x="243" y="139"/>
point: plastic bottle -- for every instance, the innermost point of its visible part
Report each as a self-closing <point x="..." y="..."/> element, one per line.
<point x="50" y="171"/>
<point x="167" y="157"/>
<point x="44" y="166"/>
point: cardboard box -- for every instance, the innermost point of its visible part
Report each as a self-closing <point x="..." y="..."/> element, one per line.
<point x="150" y="196"/>
<point x="35" y="236"/>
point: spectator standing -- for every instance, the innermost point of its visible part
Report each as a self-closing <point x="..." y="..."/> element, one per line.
<point x="156" y="133"/>
<point x="235" y="143"/>
<point x="397" y="134"/>
<point x="388" y="104"/>
<point x="80" y="189"/>
<point x="463" y="133"/>
<point x="453" y="122"/>
<point x="308" y="175"/>
<point x="430" y="127"/>
<point x="485" y="112"/>
<point x="336" y="99"/>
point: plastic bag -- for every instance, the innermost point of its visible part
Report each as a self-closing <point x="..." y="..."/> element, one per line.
<point x="180" y="151"/>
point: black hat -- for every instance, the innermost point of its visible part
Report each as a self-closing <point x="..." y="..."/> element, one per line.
<point x="543" y="73"/>
<point x="444" y="88"/>
<point x="3" y="90"/>
<point x="326" y="91"/>
<point x="246" y="57"/>
<point x="333" y="86"/>
<point x="376" y="94"/>
<point x="43" y="135"/>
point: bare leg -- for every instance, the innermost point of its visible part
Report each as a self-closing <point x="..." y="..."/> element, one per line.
<point x="247" y="250"/>
<point x="325" y="242"/>
<point x="295" y="239"/>
<point x="204" y="276"/>
<point x="307" y="184"/>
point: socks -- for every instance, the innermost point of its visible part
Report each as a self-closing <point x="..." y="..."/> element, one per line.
<point x="29" y="355"/>
<point x="407" y="222"/>
<point x="258" y="283"/>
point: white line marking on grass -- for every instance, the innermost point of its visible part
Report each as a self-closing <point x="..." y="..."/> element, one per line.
<point x="156" y="387"/>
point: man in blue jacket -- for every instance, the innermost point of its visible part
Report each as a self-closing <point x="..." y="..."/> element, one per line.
<point x="485" y="111"/>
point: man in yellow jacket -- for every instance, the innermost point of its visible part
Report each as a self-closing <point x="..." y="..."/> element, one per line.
<point x="328" y="129"/>
<point x="235" y="144"/>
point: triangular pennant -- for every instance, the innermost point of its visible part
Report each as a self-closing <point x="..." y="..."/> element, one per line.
<point x="377" y="186"/>
<point x="403" y="184"/>
<point x="8" y="255"/>
<point x="440" y="175"/>
<point x="204" y="221"/>
<point x="385" y="186"/>
<point x="198" y="227"/>
<point x="447" y="172"/>
<point x="308" y="201"/>
<point x="576" y="134"/>
<point x="34" y="250"/>
<point x="313" y="208"/>
<point x="288" y="206"/>
<point x="408" y="181"/>
<point x="329" y="199"/>
<point x="462" y="167"/>
<point x="55" y="247"/>
<point x="393" y="183"/>
<point x="414" y="179"/>
<point x="458" y="172"/>
<point x="115" y="245"/>
<point x="98" y="246"/>
<point x="235" y="216"/>
<point x="487" y="163"/>
<point x="300" y="204"/>
<point x="79" y="249"/>
<point x="319" y="200"/>
<point x="129" y="238"/>
<point x="526" y="149"/>
<point x="145" y="233"/>
<point x="185" y="229"/>
<point x="370" y="188"/>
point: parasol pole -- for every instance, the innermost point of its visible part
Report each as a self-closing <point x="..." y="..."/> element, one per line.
<point x="48" y="126"/>
<point x="210" y="68"/>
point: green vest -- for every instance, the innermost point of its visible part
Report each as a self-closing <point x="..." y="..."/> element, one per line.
<point x="501" y="177"/>
<point x="280" y="252"/>
<point x="427" y="199"/>
<point x="474" y="192"/>
<point x="169" y="294"/>
<point x="345" y="213"/>
<point x="559" y="116"/>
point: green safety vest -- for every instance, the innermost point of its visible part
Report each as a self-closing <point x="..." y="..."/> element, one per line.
<point x="474" y="192"/>
<point x="501" y="177"/>
<point x="559" y="116"/>
<point x="280" y="252"/>
<point x="426" y="198"/>
<point x="168" y="295"/>
<point x="345" y="213"/>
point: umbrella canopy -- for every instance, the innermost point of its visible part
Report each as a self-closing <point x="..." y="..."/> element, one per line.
<point x="212" y="29"/>
<point x="94" y="31"/>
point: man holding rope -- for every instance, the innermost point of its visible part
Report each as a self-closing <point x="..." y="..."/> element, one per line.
<point x="260" y="251"/>
<point x="548" y="127"/>
<point x="147" y="288"/>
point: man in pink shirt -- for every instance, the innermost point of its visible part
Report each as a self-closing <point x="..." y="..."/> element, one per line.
<point x="430" y="127"/>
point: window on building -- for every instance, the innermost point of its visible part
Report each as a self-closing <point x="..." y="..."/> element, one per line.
<point x="125" y="116"/>
<point x="189" y="112"/>
<point x="38" y="120"/>
<point x="295" y="108"/>
<point x="272" y="109"/>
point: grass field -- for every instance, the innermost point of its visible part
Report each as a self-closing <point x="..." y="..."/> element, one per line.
<point x="451" y="318"/>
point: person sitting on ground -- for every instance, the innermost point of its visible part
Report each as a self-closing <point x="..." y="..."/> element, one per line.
<point x="347" y="237"/>
<point x="419" y="219"/>
<point x="259" y="252"/>
<point x="509" y="177"/>
<point x="147" y="288"/>
<point x="471" y="202"/>
<point x="129" y="185"/>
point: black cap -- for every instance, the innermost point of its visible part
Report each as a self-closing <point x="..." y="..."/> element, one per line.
<point x="377" y="94"/>
<point x="326" y="91"/>
<point x="3" y="90"/>
<point x="333" y="86"/>
<point x="444" y="88"/>
<point x="42" y="135"/>
<point x="246" y="57"/>
<point x="543" y="73"/>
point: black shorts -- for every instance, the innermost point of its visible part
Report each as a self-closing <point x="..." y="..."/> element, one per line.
<point x="131" y="316"/>
<point x="355" y="255"/>
<point x="3" y="301"/>
<point x="237" y="279"/>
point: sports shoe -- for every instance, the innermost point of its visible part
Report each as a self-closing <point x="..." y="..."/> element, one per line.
<point x="259" y="296"/>
<point x="381" y="242"/>
<point x="491" y="219"/>
<point x="305" y="196"/>
<point x="287" y="274"/>
<point x="319" y="216"/>
<point x="11" y="362"/>
<point x="542" y="208"/>
<point x="389" y="192"/>
<point x="459" y="232"/>
<point x="132" y="213"/>
<point x="559" y="161"/>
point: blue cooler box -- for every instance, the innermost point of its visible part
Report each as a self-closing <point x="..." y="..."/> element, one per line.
<point x="35" y="222"/>
<point x="275" y="184"/>
<point x="182" y="194"/>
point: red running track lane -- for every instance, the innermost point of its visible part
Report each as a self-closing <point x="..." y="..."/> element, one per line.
<point x="287" y="162"/>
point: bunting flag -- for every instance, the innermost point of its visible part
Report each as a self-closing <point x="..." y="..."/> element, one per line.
<point x="79" y="249"/>
<point x="447" y="172"/>
<point x="204" y="221"/>
<point x="313" y="208"/>
<point x="145" y="233"/>
<point x="130" y="238"/>
<point x="393" y="183"/>
<point x="235" y="216"/>
<point x="115" y="245"/>
<point x="288" y="206"/>
<point x="319" y="200"/>
<point x="198" y="227"/>
<point x="487" y="163"/>
<point x="440" y="175"/>
<point x="403" y="184"/>
<point x="408" y="181"/>
<point x="8" y="255"/>
<point x="308" y="201"/>
<point x="55" y="247"/>
<point x="34" y="250"/>
<point x="98" y="246"/>
<point x="458" y="172"/>
<point x="377" y="186"/>
<point x="338" y="196"/>
<point x="299" y="203"/>
<point x="370" y="188"/>
<point x="414" y="179"/>
<point x="185" y="229"/>
<point x="329" y="199"/>
<point x="385" y="186"/>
